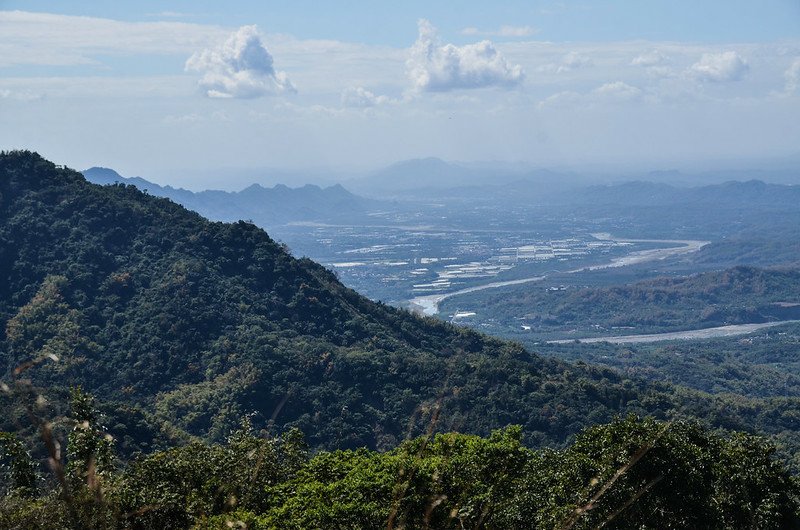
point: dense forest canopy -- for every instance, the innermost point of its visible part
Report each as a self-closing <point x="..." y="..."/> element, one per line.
<point x="631" y="473"/>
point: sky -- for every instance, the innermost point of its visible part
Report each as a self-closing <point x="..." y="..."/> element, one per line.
<point x="211" y="94"/>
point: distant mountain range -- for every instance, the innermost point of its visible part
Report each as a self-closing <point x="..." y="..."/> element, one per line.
<point x="436" y="175"/>
<point x="747" y="194"/>
<point x="266" y="207"/>
<point x="433" y="177"/>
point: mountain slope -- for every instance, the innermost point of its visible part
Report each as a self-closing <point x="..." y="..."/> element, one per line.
<point x="195" y="323"/>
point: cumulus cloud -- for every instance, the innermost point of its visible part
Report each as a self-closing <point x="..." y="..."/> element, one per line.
<point x="504" y="31"/>
<point x="792" y="76"/>
<point x="360" y="97"/>
<point x="719" y="67"/>
<point x="617" y="90"/>
<point x="437" y="67"/>
<point x="573" y="61"/>
<point x="241" y="67"/>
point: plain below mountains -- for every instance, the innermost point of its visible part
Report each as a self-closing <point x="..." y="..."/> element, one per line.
<point x="266" y="207"/>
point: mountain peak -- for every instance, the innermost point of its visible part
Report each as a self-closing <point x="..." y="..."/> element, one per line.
<point x="252" y="188"/>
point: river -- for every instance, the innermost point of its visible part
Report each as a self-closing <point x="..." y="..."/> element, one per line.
<point x="707" y="333"/>
<point x="429" y="304"/>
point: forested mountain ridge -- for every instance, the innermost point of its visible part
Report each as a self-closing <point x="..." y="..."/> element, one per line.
<point x="196" y="324"/>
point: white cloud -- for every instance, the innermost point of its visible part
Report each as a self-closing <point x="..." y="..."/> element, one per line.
<point x="24" y="95"/>
<point x="617" y="90"/>
<point x="564" y="98"/>
<point x="434" y="67"/>
<point x="241" y="67"/>
<point x="718" y="67"/>
<point x="571" y="61"/>
<point x="360" y="97"/>
<point x="504" y="31"/>
<point x="792" y="76"/>
<point x="660" y="72"/>
<point x="649" y="59"/>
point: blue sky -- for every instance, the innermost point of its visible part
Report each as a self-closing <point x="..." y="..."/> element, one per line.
<point x="182" y="91"/>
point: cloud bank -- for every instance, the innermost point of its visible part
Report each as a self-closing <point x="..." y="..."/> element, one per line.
<point x="65" y="40"/>
<point x="649" y="59"/>
<point x="720" y="67"/>
<point x="241" y="67"/>
<point x="618" y="90"/>
<point x="504" y="31"/>
<point x="792" y="76"/>
<point x="571" y="61"/>
<point x="360" y="97"/>
<point x="437" y="67"/>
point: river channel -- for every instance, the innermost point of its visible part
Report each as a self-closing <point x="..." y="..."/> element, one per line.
<point x="429" y="304"/>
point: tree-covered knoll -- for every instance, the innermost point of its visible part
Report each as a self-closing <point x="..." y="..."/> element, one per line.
<point x="181" y="326"/>
<point x="733" y="296"/>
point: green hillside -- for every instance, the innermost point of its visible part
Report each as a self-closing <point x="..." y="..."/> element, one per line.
<point x="181" y="326"/>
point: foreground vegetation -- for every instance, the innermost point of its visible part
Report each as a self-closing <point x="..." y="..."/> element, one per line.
<point x="631" y="473"/>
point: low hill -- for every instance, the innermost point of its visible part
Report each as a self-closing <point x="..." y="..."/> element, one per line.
<point x="182" y="326"/>
<point x="739" y="295"/>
